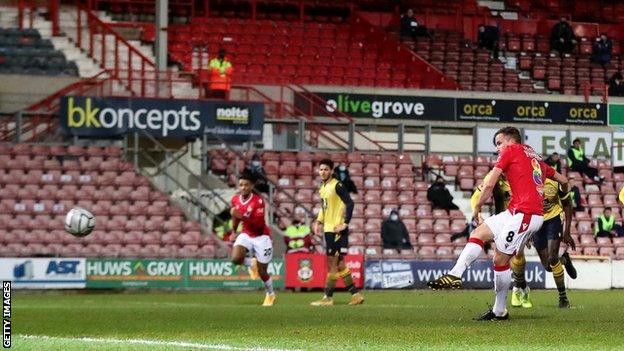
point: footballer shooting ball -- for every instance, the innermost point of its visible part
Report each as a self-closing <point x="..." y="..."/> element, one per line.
<point x="79" y="222"/>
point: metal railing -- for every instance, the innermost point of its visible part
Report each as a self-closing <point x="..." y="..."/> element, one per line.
<point x="97" y="34"/>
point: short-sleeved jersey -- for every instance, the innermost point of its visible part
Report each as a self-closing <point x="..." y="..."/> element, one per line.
<point x="552" y="200"/>
<point x="332" y="211"/>
<point x="525" y="171"/>
<point x="253" y="214"/>
<point x="501" y="194"/>
<point x="621" y="195"/>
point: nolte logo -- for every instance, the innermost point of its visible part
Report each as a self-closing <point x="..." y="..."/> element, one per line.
<point x="236" y="115"/>
<point x="6" y="314"/>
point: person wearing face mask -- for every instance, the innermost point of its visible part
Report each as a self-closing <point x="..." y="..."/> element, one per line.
<point x="257" y="171"/>
<point x="394" y="234"/>
<point x="439" y="195"/>
<point x="342" y="174"/>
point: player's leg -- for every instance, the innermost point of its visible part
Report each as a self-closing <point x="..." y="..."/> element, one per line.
<point x="263" y="250"/>
<point x="512" y="237"/>
<point x="332" y="271"/>
<point x="502" y="282"/>
<point x="345" y="274"/>
<point x="518" y="263"/>
<point x="556" y="267"/>
<point x="469" y="254"/>
<point x="240" y="248"/>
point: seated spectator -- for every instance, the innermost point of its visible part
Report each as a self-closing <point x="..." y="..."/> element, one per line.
<point x="410" y="28"/>
<point x="256" y="170"/>
<point x="554" y="161"/>
<point x="616" y="84"/>
<point x="605" y="225"/>
<point x="576" y="197"/>
<point x="439" y="195"/>
<point x="342" y="174"/>
<point x="579" y="163"/>
<point x="562" y="37"/>
<point x="298" y="238"/>
<point x="394" y="234"/>
<point x="487" y="38"/>
<point x="602" y="50"/>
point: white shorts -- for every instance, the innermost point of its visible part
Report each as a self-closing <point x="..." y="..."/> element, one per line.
<point x="260" y="246"/>
<point x="512" y="231"/>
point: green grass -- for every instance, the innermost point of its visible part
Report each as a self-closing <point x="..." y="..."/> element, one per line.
<point x="391" y="320"/>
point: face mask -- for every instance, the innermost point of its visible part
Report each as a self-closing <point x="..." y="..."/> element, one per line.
<point x="343" y="168"/>
<point x="255" y="163"/>
<point x="394" y="217"/>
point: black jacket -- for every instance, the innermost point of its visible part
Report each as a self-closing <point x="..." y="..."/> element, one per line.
<point x="394" y="234"/>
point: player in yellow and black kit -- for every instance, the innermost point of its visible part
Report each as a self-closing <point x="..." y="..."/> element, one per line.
<point x="501" y="196"/>
<point x="547" y="241"/>
<point x="333" y="220"/>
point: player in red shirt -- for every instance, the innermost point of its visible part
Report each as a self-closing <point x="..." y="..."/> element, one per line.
<point x="510" y="229"/>
<point x="248" y="208"/>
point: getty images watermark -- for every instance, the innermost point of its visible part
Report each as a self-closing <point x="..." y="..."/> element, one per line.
<point x="6" y="314"/>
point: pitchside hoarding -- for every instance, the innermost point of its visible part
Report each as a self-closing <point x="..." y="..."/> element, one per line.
<point x="399" y="274"/>
<point x="162" y="118"/>
<point x="44" y="273"/>
<point x="310" y="270"/>
<point x="455" y="109"/>
<point x="175" y="273"/>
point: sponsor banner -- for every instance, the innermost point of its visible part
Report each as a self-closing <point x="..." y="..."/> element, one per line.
<point x="617" y="149"/>
<point x="455" y="109"/>
<point x="381" y="106"/>
<point x="174" y="273"/>
<point x="602" y="145"/>
<point x="485" y="140"/>
<point x="162" y="118"/>
<point x="545" y="142"/>
<point x="616" y="114"/>
<point x="310" y="270"/>
<point x="44" y="273"/>
<point x="225" y="274"/>
<point x="398" y="274"/>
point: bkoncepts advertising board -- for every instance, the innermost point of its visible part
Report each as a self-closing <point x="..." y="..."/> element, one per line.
<point x="453" y="109"/>
<point x="162" y="118"/>
<point x="44" y="273"/>
<point x="398" y="274"/>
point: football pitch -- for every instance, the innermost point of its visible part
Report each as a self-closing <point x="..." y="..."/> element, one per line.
<point x="389" y="320"/>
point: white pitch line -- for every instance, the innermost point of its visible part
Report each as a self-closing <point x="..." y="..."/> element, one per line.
<point x="145" y="342"/>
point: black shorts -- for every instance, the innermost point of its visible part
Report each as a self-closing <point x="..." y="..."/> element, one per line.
<point x="550" y="230"/>
<point x="337" y="244"/>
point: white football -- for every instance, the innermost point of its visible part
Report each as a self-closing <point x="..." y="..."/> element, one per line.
<point x="79" y="222"/>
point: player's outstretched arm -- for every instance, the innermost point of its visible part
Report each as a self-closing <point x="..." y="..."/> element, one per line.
<point x="562" y="180"/>
<point x="488" y="188"/>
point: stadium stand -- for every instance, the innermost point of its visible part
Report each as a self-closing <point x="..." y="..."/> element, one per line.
<point x="399" y="183"/>
<point x="25" y="52"/>
<point x="39" y="184"/>
<point x="273" y="52"/>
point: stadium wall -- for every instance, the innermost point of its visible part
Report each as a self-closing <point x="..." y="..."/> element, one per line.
<point x="102" y="273"/>
<point x="20" y="91"/>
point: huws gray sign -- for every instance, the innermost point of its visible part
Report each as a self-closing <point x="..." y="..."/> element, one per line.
<point x="162" y="118"/>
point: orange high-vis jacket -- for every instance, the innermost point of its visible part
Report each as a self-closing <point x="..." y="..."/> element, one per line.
<point x="220" y="74"/>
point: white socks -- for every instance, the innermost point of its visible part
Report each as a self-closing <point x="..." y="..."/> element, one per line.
<point x="502" y="282"/>
<point x="469" y="254"/>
